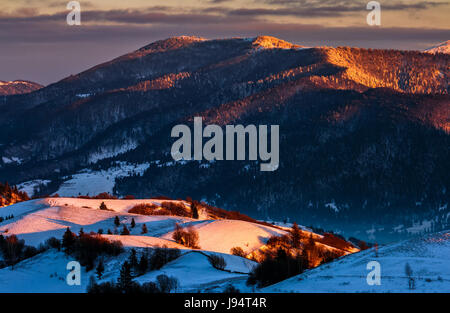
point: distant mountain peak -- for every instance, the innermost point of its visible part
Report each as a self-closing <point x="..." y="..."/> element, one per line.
<point x="15" y="87"/>
<point x="269" y="42"/>
<point x="171" y="43"/>
<point x="443" y="47"/>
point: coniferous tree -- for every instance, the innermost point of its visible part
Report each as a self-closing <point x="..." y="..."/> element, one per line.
<point x="144" y="229"/>
<point x="100" y="269"/>
<point x="143" y="263"/>
<point x="133" y="261"/>
<point x="296" y="235"/>
<point x="91" y="285"/>
<point x="103" y="206"/>
<point x="117" y="221"/>
<point x="133" y="223"/>
<point x="68" y="240"/>
<point x="125" y="280"/>
<point x="194" y="210"/>
<point x="125" y="231"/>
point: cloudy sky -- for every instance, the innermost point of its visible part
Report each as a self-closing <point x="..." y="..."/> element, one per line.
<point x="37" y="44"/>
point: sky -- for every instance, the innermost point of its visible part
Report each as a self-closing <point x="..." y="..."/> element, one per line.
<point x="37" y="44"/>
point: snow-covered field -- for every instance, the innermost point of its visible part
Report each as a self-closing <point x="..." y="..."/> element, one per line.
<point x="89" y="182"/>
<point x="37" y="220"/>
<point x="44" y="273"/>
<point x="427" y="256"/>
<point x="30" y="186"/>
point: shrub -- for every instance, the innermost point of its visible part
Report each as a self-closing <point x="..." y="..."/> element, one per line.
<point x="178" y="234"/>
<point x="238" y="251"/>
<point x="217" y="261"/>
<point x="161" y="197"/>
<point x="166" y="208"/>
<point x="188" y="237"/>
<point x="15" y="250"/>
<point x="103" y="288"/>
<point x="103" y="206"/>
<point x="100" y="269"/>
<point x="163" y="284"/>
<point x="105" y="195"/>
<point x="53" y="242"/>
<point x="279" y="242"/>
<point x="278" y="268"/>
<point x="194" y="209"/>
<point x="335" y="241"/>
<point x="175" y="208"/>
<point x="166" y="284"/>
<point x="162" y="256"/>
<point x="231" y="289"/>
<point x="12" y="249"/>
<point x="88" y="247"/>
<point x="191" y="238"/>
<point x="150" y="287"/>
<point x="125" y="231"/>
<point x="144" y="209"/>
<point x="296" y="236"/>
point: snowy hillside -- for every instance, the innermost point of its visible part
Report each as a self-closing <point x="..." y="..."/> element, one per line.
<point x="37" y="220"/>
<point x="427" y="256"/>
<point x="443" y="47"/>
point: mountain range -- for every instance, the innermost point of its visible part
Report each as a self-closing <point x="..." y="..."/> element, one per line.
<point x="364" y="133"/>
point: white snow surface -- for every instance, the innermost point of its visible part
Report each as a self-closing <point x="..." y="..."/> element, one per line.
<point x="37" y="220"/>
<point x="88" y="182"/>
<point x="427" y="256"/>
<point x="44" y="273"/>
<point x="29" y="186"/>
<point x="108" y="152"/>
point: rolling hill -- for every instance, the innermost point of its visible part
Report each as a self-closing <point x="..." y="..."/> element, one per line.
<point x="427" y="256"/>
<point x="37" y="220"/>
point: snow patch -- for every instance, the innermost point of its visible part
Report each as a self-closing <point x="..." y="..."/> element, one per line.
<point x="9" y="160"/>
<point x="109" y="152"/>
<point x="332" y="206"/>
<point x="88" y="182"/>
<point x="29" y="186"/>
